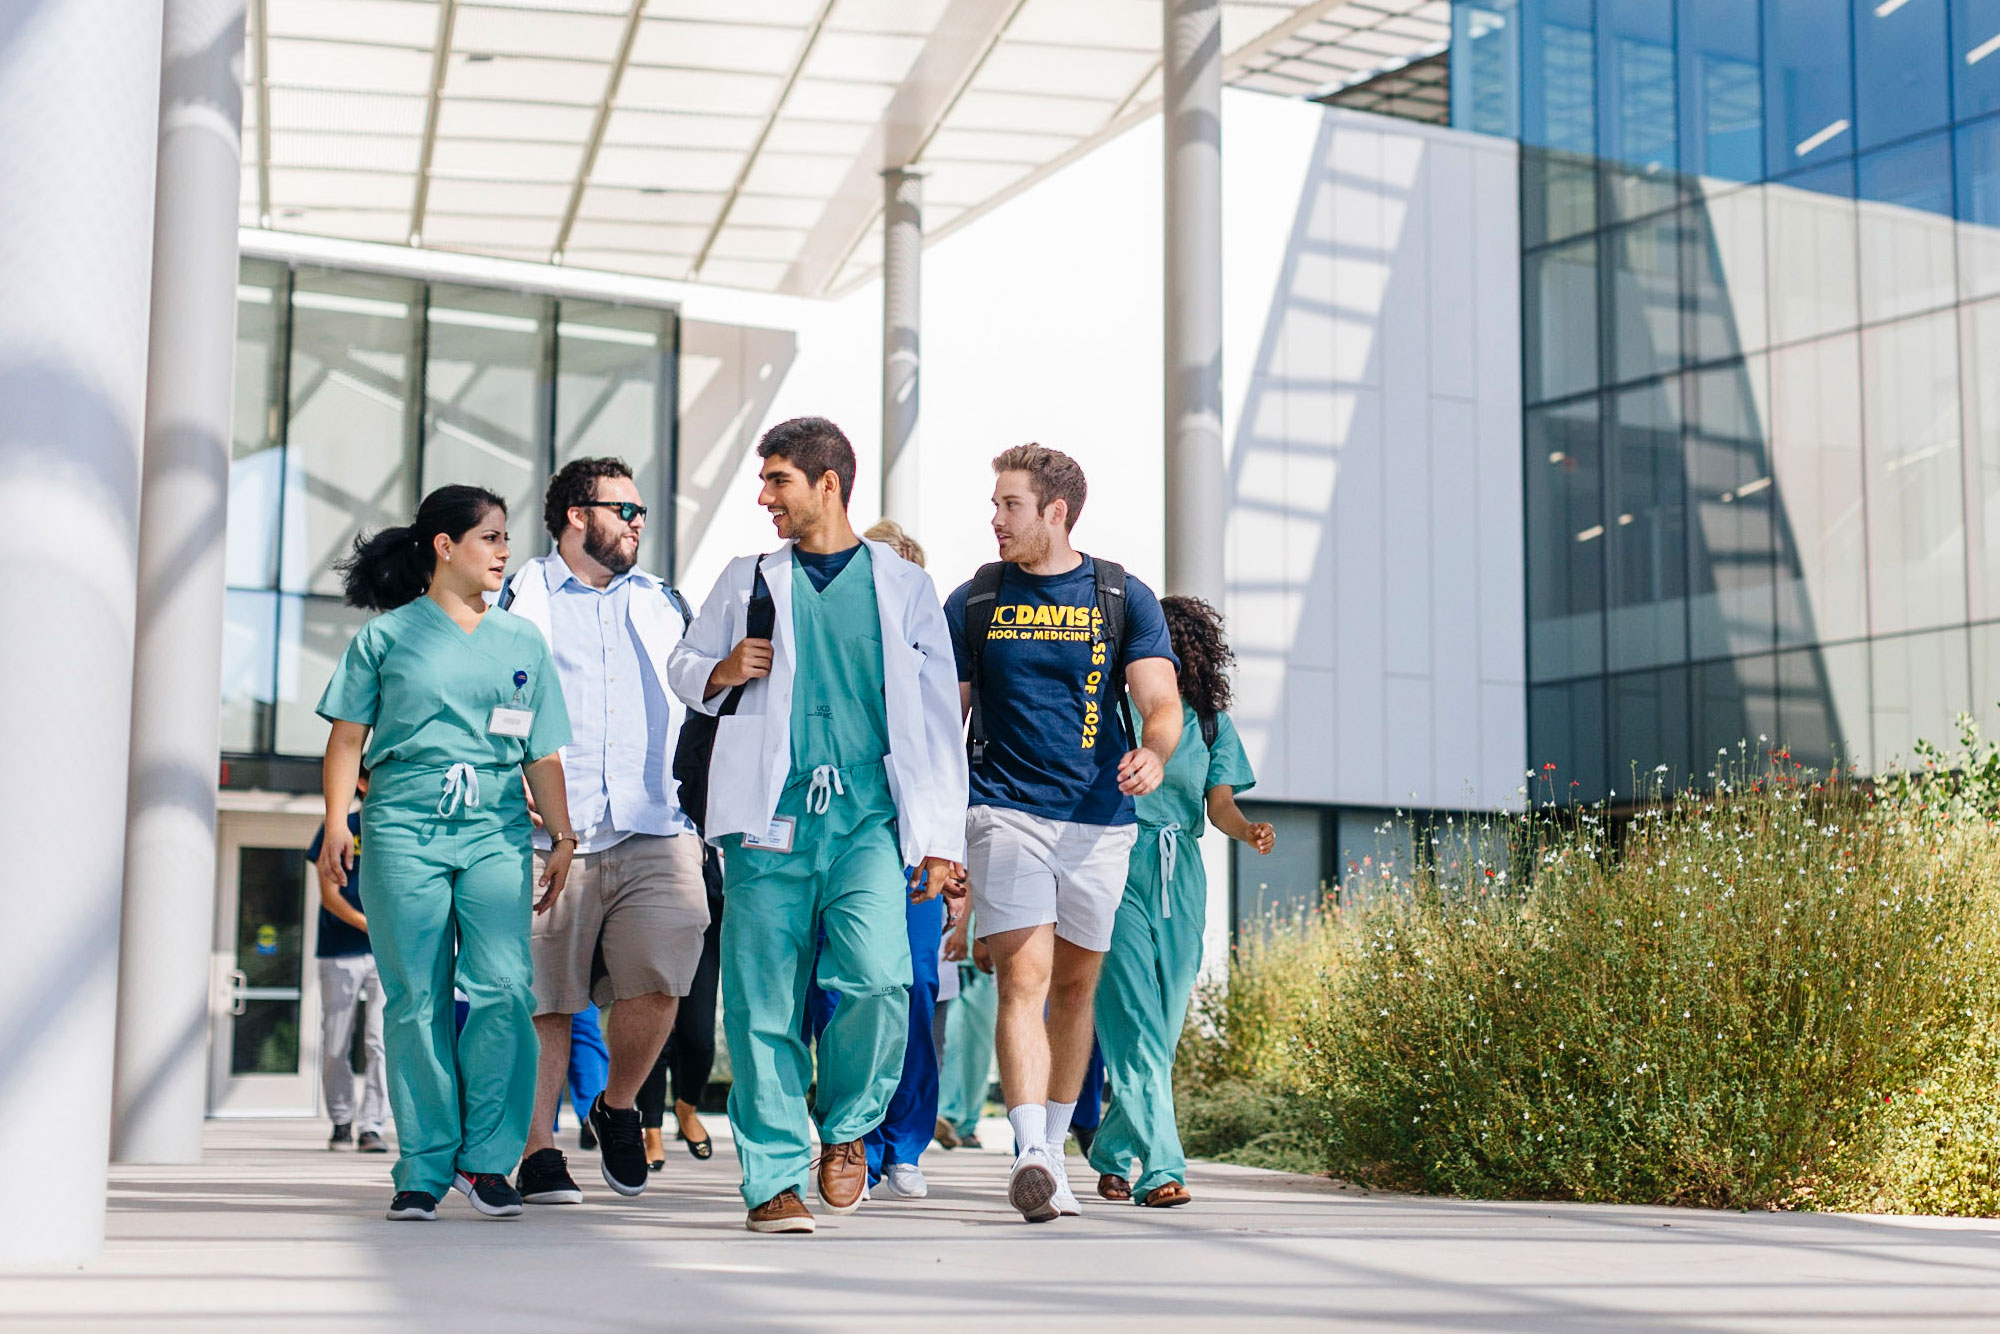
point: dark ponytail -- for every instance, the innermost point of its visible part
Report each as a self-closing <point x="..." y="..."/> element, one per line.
<point x="394" y="566"/>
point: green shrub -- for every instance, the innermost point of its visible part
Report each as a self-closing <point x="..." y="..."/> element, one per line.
<point x="1242" y="1077"/>
<point x="1785" y="993"/>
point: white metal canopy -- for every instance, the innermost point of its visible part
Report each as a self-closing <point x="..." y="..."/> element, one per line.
<point x="736" y="142"/>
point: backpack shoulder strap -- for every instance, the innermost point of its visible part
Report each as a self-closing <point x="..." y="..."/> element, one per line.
<point x="1110" y="578"/>
<point x="680" y="605"/>
<point x="1210" y="729"/>
<point x="505" y="601"/>
<point x="981" y="598"/>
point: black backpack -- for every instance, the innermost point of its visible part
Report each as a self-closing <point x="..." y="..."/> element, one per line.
<point x="983" y="595"/>
<point x="697" y="742"/>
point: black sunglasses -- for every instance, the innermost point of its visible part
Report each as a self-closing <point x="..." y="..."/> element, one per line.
<point x="626" y="509"/>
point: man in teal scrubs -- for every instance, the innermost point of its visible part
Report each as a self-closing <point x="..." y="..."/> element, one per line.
<point x="837" y="766"/>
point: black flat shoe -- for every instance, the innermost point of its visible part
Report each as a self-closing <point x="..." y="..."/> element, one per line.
<point x="703" y="1148"/>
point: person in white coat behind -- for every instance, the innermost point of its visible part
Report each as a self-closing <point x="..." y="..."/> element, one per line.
<point x="837" y="783"/>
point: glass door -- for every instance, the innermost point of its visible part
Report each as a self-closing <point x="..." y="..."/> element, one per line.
<point x="263" y="1057"/>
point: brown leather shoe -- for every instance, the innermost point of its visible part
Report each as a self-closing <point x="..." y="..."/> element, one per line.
<point x="1110" y="1186"/>
<point x="783" y="1212"/>
<point x="843" y="1176"/>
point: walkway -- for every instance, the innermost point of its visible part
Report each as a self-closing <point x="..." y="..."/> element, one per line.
<point x="276" y="1233"/>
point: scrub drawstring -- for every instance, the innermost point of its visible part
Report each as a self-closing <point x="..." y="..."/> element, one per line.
<point x="1169" y="848"/>
<point x="461" y="786"/>
<point x="825" y="783"/>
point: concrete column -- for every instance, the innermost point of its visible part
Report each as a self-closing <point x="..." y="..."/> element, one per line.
<point x="79" y="97"/>
<point x="902" y="271"/>
<point x="1196" y="486"/>
<point x="160" y="1079"/>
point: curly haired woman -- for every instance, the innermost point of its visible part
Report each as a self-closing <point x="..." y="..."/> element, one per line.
<point x="1142" y="997"/>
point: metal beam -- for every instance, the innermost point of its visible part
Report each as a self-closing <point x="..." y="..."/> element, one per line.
<point x="930" y="132"/>
<point x="440" y="62"/>
<point x="763" y="134"/>
<point x="597" y="127"/>
<point x="263" y="114"/>
<point x="1127" y="114"/>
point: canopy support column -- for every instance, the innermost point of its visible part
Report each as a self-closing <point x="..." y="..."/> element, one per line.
<point x="160" y="1079"/>
<point x="902" y="273"/>
<point x="1196" y="485"/>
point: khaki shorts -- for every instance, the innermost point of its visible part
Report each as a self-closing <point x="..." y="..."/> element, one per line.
<point x="629" y="923"/>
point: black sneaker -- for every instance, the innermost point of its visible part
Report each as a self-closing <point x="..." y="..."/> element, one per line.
<point x="544" y="1179"/>
<point x="343" y="1135"/>
<point x="586" y="1138"/>
<point x="370" y="1142"/>
<point x="623" y="1141"/>
<point x="490" y="1193"/>
<point x="413" y="1205"/>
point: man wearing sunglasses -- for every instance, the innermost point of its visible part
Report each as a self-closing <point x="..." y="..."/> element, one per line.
<point x="628" y="936"/>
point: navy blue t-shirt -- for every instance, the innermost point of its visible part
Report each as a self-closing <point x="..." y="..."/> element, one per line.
<point x="822" y="566"/>
<point x="338" y="940"/>
<point x="1053" y="744"/>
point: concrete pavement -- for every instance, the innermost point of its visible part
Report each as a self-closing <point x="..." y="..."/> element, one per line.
<point x="275" y="1233"/>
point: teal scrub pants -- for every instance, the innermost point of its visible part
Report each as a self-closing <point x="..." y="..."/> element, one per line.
<point x="448" y="902"/>
<point x="1142" y="1003"/>
<point x="844" y="874"/>
<point x="967" y="1072"/>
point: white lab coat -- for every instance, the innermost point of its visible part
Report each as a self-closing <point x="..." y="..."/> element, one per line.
<point x="654" y="620"/>
<point x="753" y="746"/>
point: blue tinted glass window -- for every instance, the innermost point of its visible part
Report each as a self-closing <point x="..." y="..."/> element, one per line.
<point x="1566" y="742"/>
<point x="1915" y="175"/>
<point x="1808" y="107"/>
<point x="1637" y="121"/>
<point x="1559" y="85"/>
<point x="1565" y="509"/>
<point x="1722" y="94"/>
<point x="1979" y="173"/>
<point x="1900" y="84"/>
<point x="1486" y="66"/>
<point x="1975" y="56"/>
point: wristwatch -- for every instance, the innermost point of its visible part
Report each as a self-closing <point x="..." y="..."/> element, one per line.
<point x="555" y="838"/>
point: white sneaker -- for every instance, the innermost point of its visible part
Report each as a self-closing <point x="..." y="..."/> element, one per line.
<point x="1065" y="1201"/>
<point x="902" y="1181"/>
<point x="1031" y="1186"/>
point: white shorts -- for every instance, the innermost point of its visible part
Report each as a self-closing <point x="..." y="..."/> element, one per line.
<point x="1028" y="870"/>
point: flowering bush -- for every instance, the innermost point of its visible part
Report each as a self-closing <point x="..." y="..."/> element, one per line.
<point x="1781" y="992"/>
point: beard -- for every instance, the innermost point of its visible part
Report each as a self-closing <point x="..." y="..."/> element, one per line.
<point x="606" y="549"/>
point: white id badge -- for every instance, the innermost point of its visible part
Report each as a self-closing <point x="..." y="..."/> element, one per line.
<point x="511" y="722"/>
<point x="778" y="838"/>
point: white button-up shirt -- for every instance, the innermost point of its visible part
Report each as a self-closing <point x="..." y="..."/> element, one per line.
<point x="617" y="764"/>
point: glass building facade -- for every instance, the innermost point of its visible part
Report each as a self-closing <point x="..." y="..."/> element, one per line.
<point x="1761" y="330"/>
<point x="356" y="393"/>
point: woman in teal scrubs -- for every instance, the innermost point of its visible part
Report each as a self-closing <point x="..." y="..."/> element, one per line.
<point x="449" y="701"/>
<point x="1142" y="995"/>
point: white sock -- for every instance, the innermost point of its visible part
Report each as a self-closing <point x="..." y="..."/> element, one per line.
<point x="1059" y="1114"/>
<point x="1030" y="1121"/>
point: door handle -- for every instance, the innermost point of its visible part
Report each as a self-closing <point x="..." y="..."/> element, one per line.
<point x="239" y="981"/>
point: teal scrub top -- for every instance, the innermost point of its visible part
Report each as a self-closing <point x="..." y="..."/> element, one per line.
<point x="1182" y="796"/>
<point x="428" y="689"/>
<point x="839" y="711"/>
